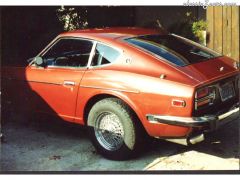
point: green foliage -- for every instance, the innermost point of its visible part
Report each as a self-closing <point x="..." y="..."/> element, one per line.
<point x="72" y="18"/>
<point x="197" y="28"/>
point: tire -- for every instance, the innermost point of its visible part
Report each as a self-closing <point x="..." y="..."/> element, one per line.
<point x="113" y="130"/>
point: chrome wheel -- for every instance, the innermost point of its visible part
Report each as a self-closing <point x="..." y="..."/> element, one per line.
<point x="109" y="131"/>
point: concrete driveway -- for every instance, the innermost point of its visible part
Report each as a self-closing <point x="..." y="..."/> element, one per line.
<point x="53" y="145"/>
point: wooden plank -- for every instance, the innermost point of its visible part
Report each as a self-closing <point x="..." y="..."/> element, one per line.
<point x="235" y="33"/>
<point x="227" y="30"/>
<point x="218" y="29"/>
<point x="224" y="24"/>
<point x="210" y="27"/>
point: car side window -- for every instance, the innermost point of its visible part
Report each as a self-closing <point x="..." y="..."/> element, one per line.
<point x="104" y="55"/>
<point x="68" y="53"/>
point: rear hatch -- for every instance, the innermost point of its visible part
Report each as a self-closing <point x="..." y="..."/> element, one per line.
<point x="194" y="60"/>
<point x="211" y="70"/>
<point x="216" y="76"/>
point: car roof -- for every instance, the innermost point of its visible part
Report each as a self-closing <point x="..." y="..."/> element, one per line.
<point x="112" y="33"/>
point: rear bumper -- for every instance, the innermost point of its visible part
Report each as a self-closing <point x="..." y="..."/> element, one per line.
<point x="207" y="122"/>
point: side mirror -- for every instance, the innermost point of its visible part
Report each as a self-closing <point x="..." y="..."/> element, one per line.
<point x="39" y="61"/>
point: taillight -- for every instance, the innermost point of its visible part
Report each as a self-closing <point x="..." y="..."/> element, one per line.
<point x="204" y="97"/>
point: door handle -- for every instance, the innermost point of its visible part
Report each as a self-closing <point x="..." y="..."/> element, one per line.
<point x="69" y="83"/>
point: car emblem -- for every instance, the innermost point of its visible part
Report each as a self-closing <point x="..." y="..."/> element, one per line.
<point x="128" y="61"/>
<point x="221" y="68"/>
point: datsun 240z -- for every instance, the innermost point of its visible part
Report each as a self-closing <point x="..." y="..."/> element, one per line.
<point x="124" y="82"/>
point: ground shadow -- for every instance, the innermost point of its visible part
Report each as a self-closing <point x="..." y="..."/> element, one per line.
<point x="56" y="145"/>
<point x="223" y="143"/>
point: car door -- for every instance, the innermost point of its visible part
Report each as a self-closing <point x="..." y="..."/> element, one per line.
<point x="56" y="84"/>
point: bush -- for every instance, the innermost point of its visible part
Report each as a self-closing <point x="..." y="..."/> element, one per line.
<point x="72" y="18"/>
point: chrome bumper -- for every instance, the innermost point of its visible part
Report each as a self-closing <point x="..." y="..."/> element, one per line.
<point x="208" y="122"/>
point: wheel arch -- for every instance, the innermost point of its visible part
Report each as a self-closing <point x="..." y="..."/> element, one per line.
<point x="97" y="97"/>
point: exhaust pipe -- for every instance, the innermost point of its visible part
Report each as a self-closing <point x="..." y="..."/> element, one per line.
<point x="196" y="139"/>
<point x="188" y="141"/>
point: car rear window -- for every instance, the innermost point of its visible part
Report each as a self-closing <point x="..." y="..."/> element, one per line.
<point x="174" y="49"/>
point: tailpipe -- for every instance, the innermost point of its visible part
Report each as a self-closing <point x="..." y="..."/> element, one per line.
<point x="196" y="139"/>
<point x="191" y="140"/>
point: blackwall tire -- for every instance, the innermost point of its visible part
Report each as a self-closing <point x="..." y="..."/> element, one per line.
<point x="112" y="129"/>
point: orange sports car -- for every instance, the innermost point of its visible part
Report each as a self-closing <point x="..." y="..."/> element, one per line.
<point x="126" y="82"/>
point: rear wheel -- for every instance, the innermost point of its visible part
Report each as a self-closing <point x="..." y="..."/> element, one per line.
<point x="113" y="130"/>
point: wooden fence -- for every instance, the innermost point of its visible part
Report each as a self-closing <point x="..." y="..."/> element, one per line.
<point x="223" y="30"/>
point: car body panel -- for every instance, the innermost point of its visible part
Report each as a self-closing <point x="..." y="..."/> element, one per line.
<point x="50" y="85"/>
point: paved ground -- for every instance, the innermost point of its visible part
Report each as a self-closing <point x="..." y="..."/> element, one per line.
<point x="57" y="146"/>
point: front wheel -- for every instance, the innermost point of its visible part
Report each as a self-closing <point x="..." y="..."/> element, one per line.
<point x="113" y="130"/>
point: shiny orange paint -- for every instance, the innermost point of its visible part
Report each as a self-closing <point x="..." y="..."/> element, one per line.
<point x="136" y="81"/>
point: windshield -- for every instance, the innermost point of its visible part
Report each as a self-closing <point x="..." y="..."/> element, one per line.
<point x="174" y="49"/>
